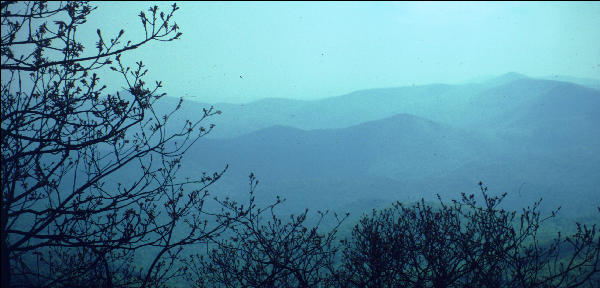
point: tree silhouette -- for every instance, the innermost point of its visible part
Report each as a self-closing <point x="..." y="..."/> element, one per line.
<point x="88" y="177"/>
<point x="261" y="250"/>
<point x="457" y="244"/>
<point x="463" y="244"/>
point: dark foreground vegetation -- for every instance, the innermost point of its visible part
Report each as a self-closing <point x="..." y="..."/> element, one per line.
<point x="462" y="243"/>
<point x="91" y="197"/>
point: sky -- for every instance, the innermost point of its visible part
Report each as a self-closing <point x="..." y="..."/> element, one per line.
<point x="243" y="51"/>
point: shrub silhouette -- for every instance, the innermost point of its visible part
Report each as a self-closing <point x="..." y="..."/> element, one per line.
<point x="455" y="244"/>
<point x="463" y="244"/>
<point x="263" y="250"/>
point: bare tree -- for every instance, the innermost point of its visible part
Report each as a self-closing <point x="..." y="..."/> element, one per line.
<point x="261" y="249"/>
<point x="403" y="246"/>
<point x="465" y="244"/>
<point x="88" y="177"/>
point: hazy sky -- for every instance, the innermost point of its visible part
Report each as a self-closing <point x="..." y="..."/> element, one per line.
<point x="319" y="49"/>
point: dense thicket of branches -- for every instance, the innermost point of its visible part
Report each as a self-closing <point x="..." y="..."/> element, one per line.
<point x="464" y="244"/>
<point x="263" y="250"/>
<point x="88" y="176"/>
<point x="457" y="244"/>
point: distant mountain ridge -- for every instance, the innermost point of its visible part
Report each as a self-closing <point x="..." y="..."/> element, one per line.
<point x="532" y="137"/>
<point x="439" y="102"/>
<point x="368" y="145"/>
<point x="382" y="153"/>
<point x="588" y="82"/>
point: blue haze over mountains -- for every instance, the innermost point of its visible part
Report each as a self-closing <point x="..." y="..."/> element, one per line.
<point x="533" y="138"/>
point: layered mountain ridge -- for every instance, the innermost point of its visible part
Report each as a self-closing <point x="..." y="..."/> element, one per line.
<point x="533" y="138"/>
